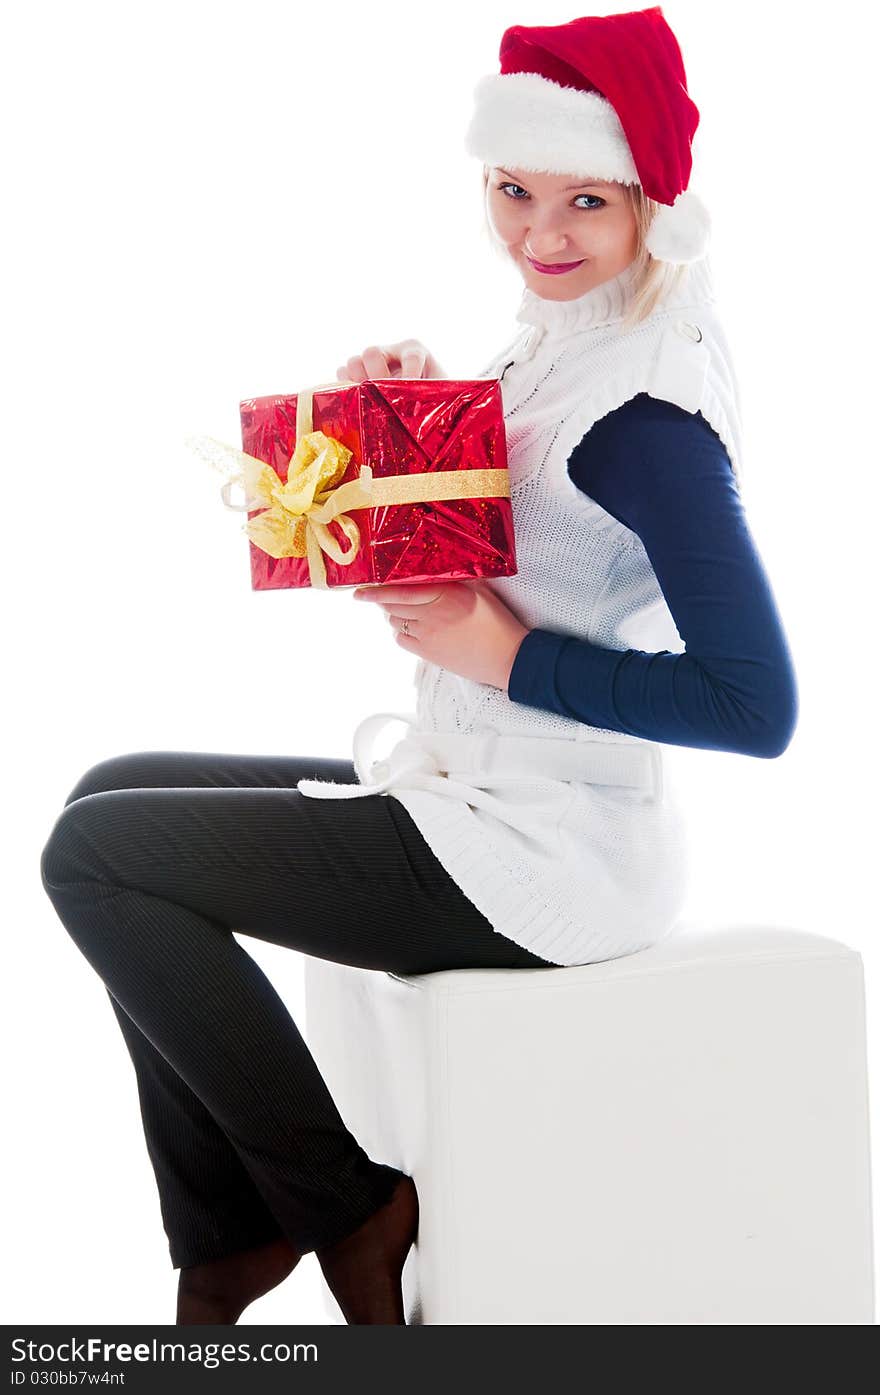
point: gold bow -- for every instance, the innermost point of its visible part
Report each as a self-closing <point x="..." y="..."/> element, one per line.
<point x="295" y="513"/>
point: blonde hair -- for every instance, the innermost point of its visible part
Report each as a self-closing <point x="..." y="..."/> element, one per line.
<point x="654" y="279"/>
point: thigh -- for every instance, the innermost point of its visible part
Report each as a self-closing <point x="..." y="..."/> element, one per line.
<point x="169" y="769"/>
<point x="351" y="880"/>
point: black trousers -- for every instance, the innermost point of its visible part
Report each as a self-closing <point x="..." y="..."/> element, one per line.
<point x="155" y="859"/>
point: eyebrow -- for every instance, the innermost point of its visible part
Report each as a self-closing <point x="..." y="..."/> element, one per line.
<point x="587" y="184"/>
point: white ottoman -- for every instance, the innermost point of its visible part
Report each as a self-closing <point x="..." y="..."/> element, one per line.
<point x="677" y="1136"/>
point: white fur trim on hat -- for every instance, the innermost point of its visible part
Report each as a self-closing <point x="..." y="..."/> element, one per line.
<point x="680" y="231"/>
<point x="526" y="121"/>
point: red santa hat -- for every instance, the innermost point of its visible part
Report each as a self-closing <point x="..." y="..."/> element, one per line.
<point x="602" y="97"/>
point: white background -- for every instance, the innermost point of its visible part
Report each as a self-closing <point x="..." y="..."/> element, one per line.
<point x="211" y="201"/>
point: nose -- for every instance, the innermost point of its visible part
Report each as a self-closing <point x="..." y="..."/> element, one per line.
<point x="544" y="244"/>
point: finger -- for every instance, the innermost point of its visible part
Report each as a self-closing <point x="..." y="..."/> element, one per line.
<point x="376" y="363"/>
<point x="406" y="612"/>
<point x="404" y="596"/>
<point x="412" y="361"/>
<point x="397" y="623"/>
<point x="354" y="369"/>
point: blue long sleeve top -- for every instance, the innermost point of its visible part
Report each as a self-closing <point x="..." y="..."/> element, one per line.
<point x="666" y="475"/>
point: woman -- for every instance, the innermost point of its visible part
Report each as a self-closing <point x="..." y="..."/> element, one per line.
<point x="529" y="825"/>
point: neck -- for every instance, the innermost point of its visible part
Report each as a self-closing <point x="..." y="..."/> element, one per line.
<point x="608" y="302"/>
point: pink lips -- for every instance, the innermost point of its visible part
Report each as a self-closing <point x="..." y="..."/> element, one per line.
<point x="556" y="270"/>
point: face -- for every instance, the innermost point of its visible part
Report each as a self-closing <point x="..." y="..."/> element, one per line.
<point x="552" y="219"/>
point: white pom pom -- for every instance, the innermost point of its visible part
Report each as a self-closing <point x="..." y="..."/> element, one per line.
<point x="680" y="231"/>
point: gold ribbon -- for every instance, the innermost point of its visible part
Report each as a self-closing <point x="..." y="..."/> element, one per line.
<point x="295" y="513"/>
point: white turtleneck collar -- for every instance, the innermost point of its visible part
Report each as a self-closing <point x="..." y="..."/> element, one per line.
<point x="607" y="302"/>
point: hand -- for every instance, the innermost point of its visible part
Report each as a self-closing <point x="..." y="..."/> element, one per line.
<point x="460" y="625"/>
<point x="408" y="359"/>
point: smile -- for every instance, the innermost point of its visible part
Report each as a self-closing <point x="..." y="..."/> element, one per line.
<point x="556" y="270"/>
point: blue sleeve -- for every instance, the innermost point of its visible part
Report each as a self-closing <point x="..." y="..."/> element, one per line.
<point x="666" y="476"/>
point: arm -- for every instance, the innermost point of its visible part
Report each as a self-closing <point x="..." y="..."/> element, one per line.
<point x="667" y="477"/>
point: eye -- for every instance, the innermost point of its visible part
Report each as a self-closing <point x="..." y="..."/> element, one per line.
<point x="598" y="203"/>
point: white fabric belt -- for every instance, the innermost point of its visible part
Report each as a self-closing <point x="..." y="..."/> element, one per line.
<point x="456" y="764"/>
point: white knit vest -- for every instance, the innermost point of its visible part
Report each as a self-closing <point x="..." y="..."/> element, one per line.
<point x="576" y="871"/>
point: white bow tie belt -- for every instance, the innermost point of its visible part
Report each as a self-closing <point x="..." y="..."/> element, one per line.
<point x="457" y="765"/>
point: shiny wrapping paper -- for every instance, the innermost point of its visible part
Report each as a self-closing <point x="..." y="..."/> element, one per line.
<point x="398" y="427"/>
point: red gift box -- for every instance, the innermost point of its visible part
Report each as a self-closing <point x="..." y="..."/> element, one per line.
<point x="403" y="429"/>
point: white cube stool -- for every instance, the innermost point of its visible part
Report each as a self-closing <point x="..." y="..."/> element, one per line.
<point x="677" y="1136"/>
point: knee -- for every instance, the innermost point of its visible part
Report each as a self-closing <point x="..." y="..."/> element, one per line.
<point x="72" y="850"/>
<point x="63" y="858"/>
<point x="115" y="773"/>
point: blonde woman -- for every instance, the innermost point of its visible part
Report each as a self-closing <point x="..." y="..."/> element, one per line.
<point x="525" y="820"/>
